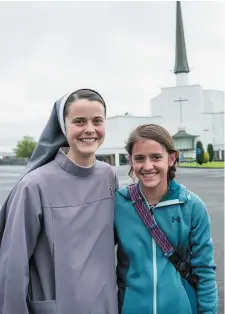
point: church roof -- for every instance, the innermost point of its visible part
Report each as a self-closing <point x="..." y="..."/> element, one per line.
<point x="181" y="63"/>
<point x="183" y="134"/>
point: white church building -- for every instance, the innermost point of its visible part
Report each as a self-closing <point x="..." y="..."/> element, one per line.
<point x="188" y="112"/>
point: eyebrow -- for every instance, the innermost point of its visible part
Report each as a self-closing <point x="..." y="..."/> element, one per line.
<point x="153" y="154"/>
<point x="98" y="117"/>
<point x="157" y="154"/>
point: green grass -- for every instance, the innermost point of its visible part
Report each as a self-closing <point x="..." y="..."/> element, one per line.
<point x="213" y="164"/>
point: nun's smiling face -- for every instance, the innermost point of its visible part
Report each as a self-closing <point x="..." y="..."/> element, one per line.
<point x="85" y="130"/>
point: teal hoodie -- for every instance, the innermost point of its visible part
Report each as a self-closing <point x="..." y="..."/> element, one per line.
<point x="148" y="282"/>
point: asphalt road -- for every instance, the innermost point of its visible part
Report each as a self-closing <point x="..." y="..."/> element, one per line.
<point x="207" y="183"/>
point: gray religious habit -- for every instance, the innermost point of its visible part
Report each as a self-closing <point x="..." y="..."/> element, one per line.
<point x="57" y="251"/>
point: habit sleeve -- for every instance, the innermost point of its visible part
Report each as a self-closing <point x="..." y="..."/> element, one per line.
<point x="22" y="227"/>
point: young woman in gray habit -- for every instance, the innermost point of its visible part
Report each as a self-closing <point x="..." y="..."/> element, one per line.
<point x="56" y="227"/>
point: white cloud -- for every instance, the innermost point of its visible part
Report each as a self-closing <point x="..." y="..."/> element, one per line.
<point x="125" y="50"/>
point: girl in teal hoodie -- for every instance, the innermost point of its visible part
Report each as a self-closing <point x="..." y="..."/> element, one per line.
<point x="148" y="282"/>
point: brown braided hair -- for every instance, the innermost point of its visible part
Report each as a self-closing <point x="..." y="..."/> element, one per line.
<point x="158" y="134"/>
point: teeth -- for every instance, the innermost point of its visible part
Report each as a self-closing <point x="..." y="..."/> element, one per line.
<point x="87" y="139"/>
<point x="149" y="175"/>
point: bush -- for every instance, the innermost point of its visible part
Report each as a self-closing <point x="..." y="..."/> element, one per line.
<point x="210" y="150"/>
<point x="199" y="153"/>
<point x="206" y="157"/>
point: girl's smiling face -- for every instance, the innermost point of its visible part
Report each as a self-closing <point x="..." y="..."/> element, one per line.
<point x="151" y="162"/>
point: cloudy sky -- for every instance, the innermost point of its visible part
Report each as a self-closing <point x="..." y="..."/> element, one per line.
<point x="124" y="50"/>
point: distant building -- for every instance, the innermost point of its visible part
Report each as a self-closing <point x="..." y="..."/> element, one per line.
<point x="188" y="112"/>
<point x="4" y="155"/>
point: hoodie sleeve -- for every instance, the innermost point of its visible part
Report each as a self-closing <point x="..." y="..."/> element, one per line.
<point x="202" y="258"/>
<point x="22" y="227"/>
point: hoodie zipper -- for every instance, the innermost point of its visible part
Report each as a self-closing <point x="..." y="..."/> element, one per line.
<point x="154" y="256"/>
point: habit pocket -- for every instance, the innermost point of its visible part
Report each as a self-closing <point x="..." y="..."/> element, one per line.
<point x="42" y="307"/>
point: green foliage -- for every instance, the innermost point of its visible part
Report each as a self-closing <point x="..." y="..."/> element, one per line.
<point x="206" y="157"/>
<point x="213" y="164"/>
<point x="199" y="153"/>
<point x="210" y="150"/>
<point x="25" y="147"/>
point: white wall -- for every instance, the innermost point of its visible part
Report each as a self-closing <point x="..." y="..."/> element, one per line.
<point x="206" y="135"/>
<point x="119" y="128"/>
<point x="213" y="130"/>
<point x="156" y="105"/>
<point x="191" y="109"/>
<point x="181" y="79"/>
<point x="213" y="101"/>
<point x="110" y="151"/>
<point x="218" y="130"/>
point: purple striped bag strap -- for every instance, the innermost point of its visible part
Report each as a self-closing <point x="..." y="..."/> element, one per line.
<point x="149" y="220"/>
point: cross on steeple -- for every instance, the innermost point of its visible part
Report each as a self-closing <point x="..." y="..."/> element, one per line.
<point x="180" y="101"/>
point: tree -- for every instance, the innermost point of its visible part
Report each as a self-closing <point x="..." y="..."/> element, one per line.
<point x="206" y="157"/>
<point x="25" y="147"/>
<point x="199" y="153"/>
<point x="210" y="150"/>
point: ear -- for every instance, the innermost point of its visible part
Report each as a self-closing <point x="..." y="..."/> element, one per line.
<point x="129" y="159"/>
<point x="173" y="158"/>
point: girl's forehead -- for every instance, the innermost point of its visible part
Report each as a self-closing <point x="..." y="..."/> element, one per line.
<point x="148" y="146"/>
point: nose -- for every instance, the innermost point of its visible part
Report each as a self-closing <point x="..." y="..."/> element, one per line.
<point x="89" y="127"/>
<point x="148" y="164"/>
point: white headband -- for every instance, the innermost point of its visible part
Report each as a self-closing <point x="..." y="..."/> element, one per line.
<point x="61" y="110"/>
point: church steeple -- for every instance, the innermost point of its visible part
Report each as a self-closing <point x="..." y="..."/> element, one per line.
<point x="181" y="68"/>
